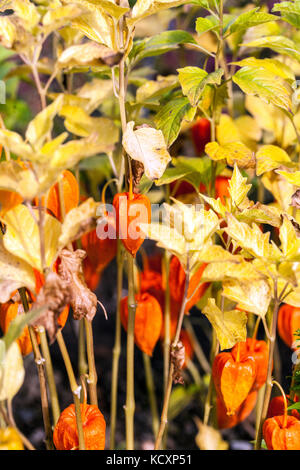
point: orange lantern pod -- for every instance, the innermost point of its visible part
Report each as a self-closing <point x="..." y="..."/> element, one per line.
<point x="70" y="191"/>
<point x="233" y="377"/>
<point x="99" y="251"/>
<point x="10" y="310"/>
<point x="148" y="321"/>
<point x="226" y="421"/>
<point x="288" y="323"/>
<point x="131" y="210"/>
<point x="276" y="407"/>
<point x="201" y="134"/>
<point x="150" y="281"/>
<point x="259" y="350"/>
<point x="65" y="435"/>
<point x="222" y="188"/>
<point x="8" y="200"/>
<point x="282" y="433"/>
<point x="177" y="279"/>
<point x="91" y="276"/>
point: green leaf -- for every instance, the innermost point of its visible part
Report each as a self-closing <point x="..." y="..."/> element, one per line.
<point x="170" y="117"/>
<point x="249" y="19"/>
<point x="272" y="65"/>
<point x="193" y="81"/>
<point x="172" y="174"/>
<point x="206" y="24"/>
<point x="258" y="82"/>
<point x="290" y="12"/>
<point x="18" y="324"/>
<point x="280" y="44"/>
<point x="159" y="44"/>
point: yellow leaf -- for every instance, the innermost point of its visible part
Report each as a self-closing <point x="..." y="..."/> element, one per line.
<point x="238" y="188"/>
<point x="22" y="237"/>
<point x="252" y="296"/>
<point x="270" y="157"/>
<point x="209" y="438"/>
<point x="147" y="145"/>
<point x="233" y="153"/>
<point x="14" y="177"/>
<point x="144" y="8"/>
<point x="227" y="131"/>
<point x="230" y="326"/>
<point x="290" y="243"/>
<point x="12" y="373"/>
<point x="292" y="178"/>
<point x="14" y="273"/>
<point x="78" y="221"/>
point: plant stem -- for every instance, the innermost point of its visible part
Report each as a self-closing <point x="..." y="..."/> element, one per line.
<point x="130" y="401"/>
<point x="164" y="415"/>
<point x="197" y="347"/>
<point x="74" y="387"/>
<point x="167" y="320"/>
<point x="39" y="360"/>
<point x="151" y="393"/>
<point x="92" y="376"/>
<point x="82" y="363"/>
<point x="116" y="350"/>
<point x="50" y="375"/>
<point x="269" y="384"/>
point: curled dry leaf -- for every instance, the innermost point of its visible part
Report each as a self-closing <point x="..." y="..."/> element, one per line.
<point x="147" y="145"/>
<point x="177" y="356"/>
<point x="56" y="294"/>
<point x="296" y="199"/>
<point x="89" y="53"/>
<point x="83" y="301"/>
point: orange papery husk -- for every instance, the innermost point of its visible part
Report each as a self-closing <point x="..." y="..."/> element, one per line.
<point x="188" y="348"/>
<point x="131" y="210"/>
<point x="10" y="310"/>
<point x="148" y="321"/>
<point x="233" y="379"/>
<point x="99" y="251"/>
<point x="280" y="437"/>
<point x="259" y="350"/>
<point x="276" y="407"/>
<point x="70" y="190"/>
<point x="288" y="323"/>
<point x="177" y="279"/>
<point x="65" y="435"/>
<point x="150" y="281"/>
<point x="226" y="421"/>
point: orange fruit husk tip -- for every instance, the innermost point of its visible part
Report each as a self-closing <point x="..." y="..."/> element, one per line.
<point x="259" y="350"/>
<point x="177" y="278"/>
<point x="279" y="435"/>
<point x="131" y="210"/>
<point x="65" y="434"/>
<point x="233" y="379"/>
<point x="226" y="421"/>
<point x="148" y="321"/>
<point x="288" y="323"/>
<point x="70" y="190"/>
<point x="10" y="439"/>
<point x="8" y="200"/>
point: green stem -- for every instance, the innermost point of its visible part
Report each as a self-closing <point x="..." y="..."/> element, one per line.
<point x="39" y="360"/>
<point x="151" y="393"/>
<point x="269" y="383"/>
<point x="116" y="350"/>
<point x="130" y="401"/>
<point x="74" y="387"/>
<point x="50" y="374"/>
<point x="82" y="363"/>
<point x="92" y="376"/>
<point x="164" y="415"/>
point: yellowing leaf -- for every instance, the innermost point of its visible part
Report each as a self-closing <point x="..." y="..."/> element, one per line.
<point x="230" y="326"/>
<point x="12" y="373"/>
<point x="227" y="270"/>
<point x="233" y="152"/>
<point x="238" y="188"/>
<point x="87" y="54"/>
<point x="270" y="157"/>
<point x="22" y="237"/>
<point x="227" y="130"/>
<point x="252" y="239"/>
<point x="147" y="145"/>
<point x="293" y="178"/>
<point x="14" y="273"/>
<point x="290" y="243"/>
<point x="14" y="177"/>
<point x="193" y="81"/>
<point x="208" y="438"/>
<point x="252" y="296"/>
<point x="78" y="221"/>
<point x="41" y="125"/>
<point x="144" y="8"/>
